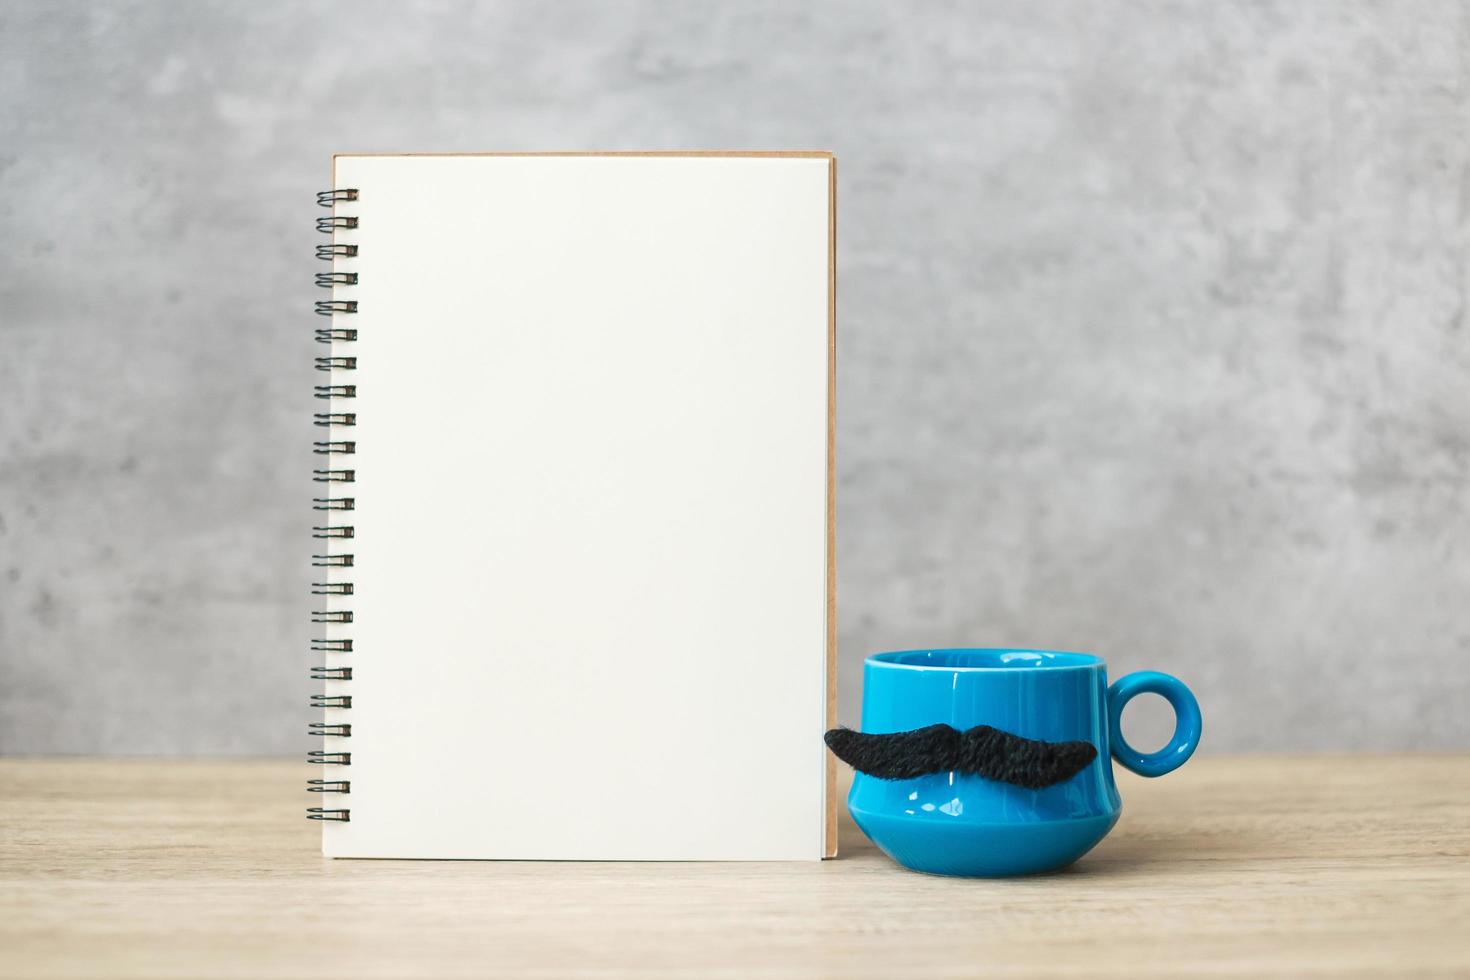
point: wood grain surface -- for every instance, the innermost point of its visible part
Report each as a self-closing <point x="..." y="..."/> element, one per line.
<point x="1249" y="866"/>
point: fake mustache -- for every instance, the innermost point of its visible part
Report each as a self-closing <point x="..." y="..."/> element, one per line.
<point x="979" y="751"/>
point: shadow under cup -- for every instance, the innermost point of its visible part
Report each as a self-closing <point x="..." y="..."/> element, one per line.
<point x="956" y="824"/>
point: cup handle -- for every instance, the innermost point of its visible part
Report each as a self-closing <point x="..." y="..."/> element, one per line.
<point x="1186" y="722"/>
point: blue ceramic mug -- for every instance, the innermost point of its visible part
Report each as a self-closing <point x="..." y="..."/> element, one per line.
<point x="952" y="823"/>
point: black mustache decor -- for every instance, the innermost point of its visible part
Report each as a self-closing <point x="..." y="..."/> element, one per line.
<point x="979" y="751"/>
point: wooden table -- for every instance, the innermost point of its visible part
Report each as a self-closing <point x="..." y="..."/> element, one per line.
<point x="1268" y="865"/>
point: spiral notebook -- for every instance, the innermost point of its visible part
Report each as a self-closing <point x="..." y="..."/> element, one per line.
<point x="575" y="506"/>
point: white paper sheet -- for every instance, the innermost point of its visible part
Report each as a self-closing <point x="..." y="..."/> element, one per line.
<point x="590" y="567"/>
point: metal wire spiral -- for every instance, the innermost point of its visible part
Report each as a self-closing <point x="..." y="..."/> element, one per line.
<point x="328" y="786"/>
<point x="333" y="446"/>
<point x="321" y="813"/>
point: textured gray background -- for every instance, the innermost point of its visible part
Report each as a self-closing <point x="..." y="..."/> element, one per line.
<point x="1152" y="319"/>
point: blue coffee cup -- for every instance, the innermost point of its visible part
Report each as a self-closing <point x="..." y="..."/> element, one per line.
<point x="954" y="823"/>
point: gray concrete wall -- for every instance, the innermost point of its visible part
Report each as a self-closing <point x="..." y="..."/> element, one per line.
<point x="1153" y="330"/>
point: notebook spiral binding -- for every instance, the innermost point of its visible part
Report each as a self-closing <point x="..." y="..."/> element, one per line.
<point x="332" y="621"/>
<point x="328" y="786"/>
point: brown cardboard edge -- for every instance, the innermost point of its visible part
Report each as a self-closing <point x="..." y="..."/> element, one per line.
<point x="830" y="849"/>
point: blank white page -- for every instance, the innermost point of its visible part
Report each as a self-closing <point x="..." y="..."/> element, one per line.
<point x="590" y="527"/>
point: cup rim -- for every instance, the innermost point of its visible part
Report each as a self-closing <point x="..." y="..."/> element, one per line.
<point x="1064" y="660"/>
